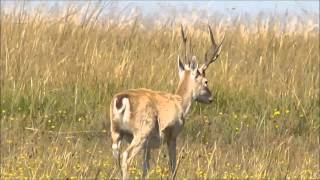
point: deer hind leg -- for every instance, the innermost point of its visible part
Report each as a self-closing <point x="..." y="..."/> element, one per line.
<point x="137" y="144"/>
<point x="115" y="136"/>
<point x="116" y="142"/>
<point x="146" y="159"/>
<point x="128" y="155"/>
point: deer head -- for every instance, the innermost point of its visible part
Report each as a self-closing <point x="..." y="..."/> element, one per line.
<point x="192" y="77"/>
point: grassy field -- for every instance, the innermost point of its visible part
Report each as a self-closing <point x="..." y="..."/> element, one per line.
<point x="59" y="75"/>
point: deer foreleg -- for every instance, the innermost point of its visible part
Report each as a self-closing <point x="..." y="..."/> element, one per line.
<point x="172" y="154"/>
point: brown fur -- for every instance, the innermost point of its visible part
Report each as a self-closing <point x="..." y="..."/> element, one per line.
<point x="184" y="84"/>
<point x="165" y="106"/>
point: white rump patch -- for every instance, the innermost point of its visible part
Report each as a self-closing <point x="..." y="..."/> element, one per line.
<point x="124" y="112"/>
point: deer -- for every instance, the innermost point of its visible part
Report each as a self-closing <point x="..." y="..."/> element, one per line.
<point x="146" y="119"/>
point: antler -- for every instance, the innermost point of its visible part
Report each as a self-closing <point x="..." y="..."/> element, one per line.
<point x="216" y="49"/>
<point x="184" y="39"/>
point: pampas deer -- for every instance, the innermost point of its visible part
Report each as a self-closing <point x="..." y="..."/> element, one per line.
<point x="147" y="118"/>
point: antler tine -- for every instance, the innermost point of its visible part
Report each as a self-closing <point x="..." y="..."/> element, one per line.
<point x="214" y="44"/>
<point x="184" y="39"/>
<point x="216" y="51"/>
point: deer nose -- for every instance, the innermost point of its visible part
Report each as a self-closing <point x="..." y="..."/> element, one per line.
<point x="210" y="99"/>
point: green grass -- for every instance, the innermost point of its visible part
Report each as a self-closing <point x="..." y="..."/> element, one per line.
<point x="58" y="77"/>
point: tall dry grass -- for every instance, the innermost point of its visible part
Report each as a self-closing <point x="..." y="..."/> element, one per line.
<point x="58" y="76"/>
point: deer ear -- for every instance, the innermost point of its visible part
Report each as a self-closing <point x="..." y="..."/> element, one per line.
<point x="194" y="64"/>
<point x="194" y="67"/>
<point x="180" y="65"/>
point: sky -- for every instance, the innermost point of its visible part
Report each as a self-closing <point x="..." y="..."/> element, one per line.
<point x="252" y="7"/>
<point x="227" y="6"/>
<point x="162" y="9"/>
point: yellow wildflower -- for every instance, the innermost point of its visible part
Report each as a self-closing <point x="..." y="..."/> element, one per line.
<point x="276" y="113"/>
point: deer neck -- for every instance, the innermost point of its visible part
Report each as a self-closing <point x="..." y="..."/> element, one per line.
<point x="185" y="91"/>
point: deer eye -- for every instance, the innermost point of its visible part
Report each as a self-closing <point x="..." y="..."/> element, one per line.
<point x="206" y="82"/>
